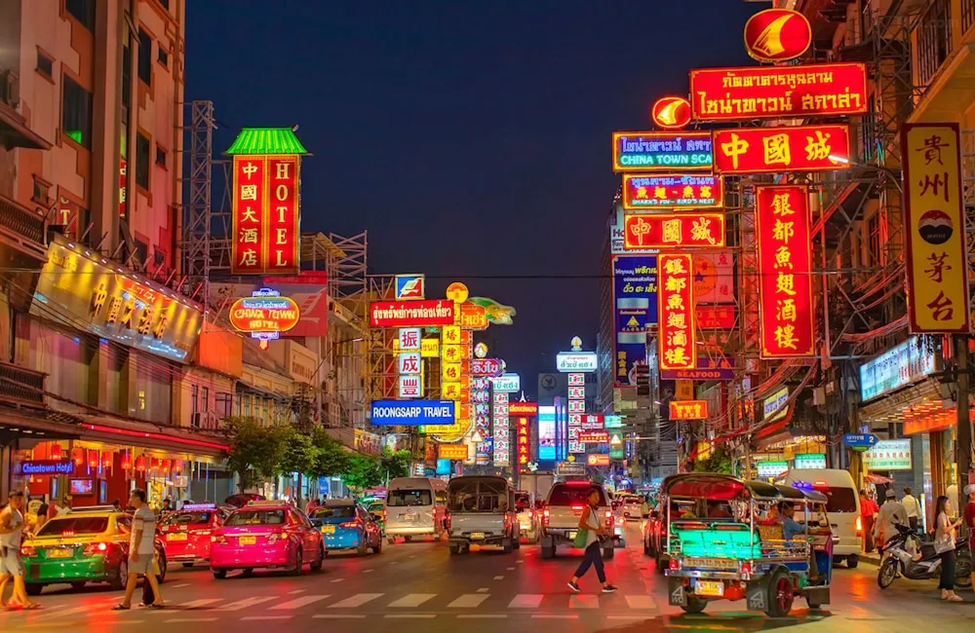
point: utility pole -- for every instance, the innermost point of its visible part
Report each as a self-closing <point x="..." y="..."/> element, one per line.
<point x="963" y="447"/>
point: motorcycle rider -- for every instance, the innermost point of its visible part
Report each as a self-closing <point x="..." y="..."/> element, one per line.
<point x="892" y="513"/>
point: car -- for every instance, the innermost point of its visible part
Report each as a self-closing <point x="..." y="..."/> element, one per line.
<point x="90" y="545"/>
<point x="563" y="509"/>
<point x="346" y="525"/>
<point x="634" y="508"/>
<point x="529" y="516"/>
<point x="241" y="499"/>
<point x="377" y="508"/>
<point x="186" y="532"/>
<point x="265" y="535"/>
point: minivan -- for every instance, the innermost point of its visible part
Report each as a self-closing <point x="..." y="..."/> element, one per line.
<point x="416" y="506"/>
<point x="842" y="507"/>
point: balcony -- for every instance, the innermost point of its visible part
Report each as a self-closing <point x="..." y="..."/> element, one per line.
<point x="14" y="131"/>
<point x="22" y="228"/>
<point x="943" y="62"/>
<point x="19" y="386"/>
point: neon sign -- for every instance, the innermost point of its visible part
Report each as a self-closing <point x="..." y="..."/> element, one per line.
<point x="265" y="314"/>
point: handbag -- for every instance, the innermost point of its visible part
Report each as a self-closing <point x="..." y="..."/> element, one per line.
<point x="944" y="544"/>
<point x="581" y="537"/>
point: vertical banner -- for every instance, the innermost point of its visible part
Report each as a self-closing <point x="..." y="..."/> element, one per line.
<point x="266" y="212"/>
<point x="676" y="338"/>
<point x="249" y="234"/>
<point x="787" y="322"/>
<point x="283" y="229"/>
<point x="635" y="301"/>
<point x="524" y="445"/>
<point x="577" y="407"/>
<point x="502" y="431"/>
<point x="934" y="216"/>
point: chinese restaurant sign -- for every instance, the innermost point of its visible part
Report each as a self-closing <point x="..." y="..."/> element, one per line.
<point x="676" y="331"/>
<point x="777" y="35"/>
<point x="424" y="312"/>
<point x="661" y="151"/>
<point x="770" y="149"/>
<point x="452" y="451"/>
<point x="888" y="455"/>
<point x="670" y="231"/>
<point x="265" y="215"/>
<point x="523" y="444"/>
<point x="728" y="94"/>
<point x="785" y="259"/>
<point x="81" y="292"/>
<point x="669" y="191"/>
<point x="688" y="409"/>
<point x="937" y="267"/>
<point x="635" y="310"/>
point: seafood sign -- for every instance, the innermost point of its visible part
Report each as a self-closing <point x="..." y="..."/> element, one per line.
<point x="411" y="313"/>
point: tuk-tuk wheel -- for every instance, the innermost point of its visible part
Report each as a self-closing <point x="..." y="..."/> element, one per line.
<point x="694" y="605"/>
<point x="780" y="594"/>
<point x="660" y="567"/>
<point x="853" y="561"/>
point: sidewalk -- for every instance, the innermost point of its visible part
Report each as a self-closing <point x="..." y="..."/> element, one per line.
<point x="870" y="558"/>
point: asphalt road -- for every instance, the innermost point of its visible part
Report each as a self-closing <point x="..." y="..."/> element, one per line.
<point x="484" y="592"/>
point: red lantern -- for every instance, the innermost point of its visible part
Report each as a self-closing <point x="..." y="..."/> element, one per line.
<point x="166" y="465"/>
<point x="78" y="456"/>
<point x="55" y="451"/>
<point x="107" y="458"/>
<point x="140" y="464"/>
<point x="126" y="461"/>
<point x="93" y="458"/>
<point x="178" y="466"/>
<point x="154" y="463"/>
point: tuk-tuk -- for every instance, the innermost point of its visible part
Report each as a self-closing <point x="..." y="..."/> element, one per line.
<point x="731" y="544"/>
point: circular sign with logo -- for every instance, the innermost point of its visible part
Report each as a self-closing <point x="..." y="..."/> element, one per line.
<point x="935" y="227"/>
<point x="480" y="350"/>
<point x="777" y="35"/>
<point x="457" y="292"/>
<point x="671" y="113"/>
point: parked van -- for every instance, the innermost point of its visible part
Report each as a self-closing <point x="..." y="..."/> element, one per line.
<point x="842" y="507"/>
<point x="416" y="506"/>
<point x="483" y="511"/>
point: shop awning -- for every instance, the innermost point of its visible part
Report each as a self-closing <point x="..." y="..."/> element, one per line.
<point x="39" y="423"/>
<point x="148" y="435"/>
<point x="893" y="406"/>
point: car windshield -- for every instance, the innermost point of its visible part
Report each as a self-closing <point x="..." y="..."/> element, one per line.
<point x="566" y="495"/>
<point x="401" y="498"/>
<point x="523" y="500"/>
<point x="187" y="518"/>
<point x="334" y="512"/>
<point x="256" y="517"/>
<point x="631" y="500"/>
<point x="74" y="526"/>
<point x="839" y="499"/>
<point x="478" y="495"/>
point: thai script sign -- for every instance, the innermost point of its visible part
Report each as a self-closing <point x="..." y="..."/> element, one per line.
<point x="661" y="151"/>
<point x="668" y="191"/>
<point x="411" y="313"/>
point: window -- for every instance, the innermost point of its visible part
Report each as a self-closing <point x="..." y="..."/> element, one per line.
<point x="41" y="189"/>
<point x="126" y="79"/>
<point x="160" y="156"/>
<point x="142" y="160"/>
<point x="145" y="57"/>
<point x="225" y="403"/>
<point x="83" y="11"/>
<point x="163" y="57"/>
<point x="76" y="118"/>
<point x="408" y="498"/>
<point x="255" y="517"/>
<point x="194" y="399"/>
<point x="205" y="399"/>
<point x="45" y="65"/>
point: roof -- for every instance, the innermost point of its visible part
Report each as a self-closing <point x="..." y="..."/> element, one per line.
<point x="338" y="503"/>
<point x="266" y="140"/>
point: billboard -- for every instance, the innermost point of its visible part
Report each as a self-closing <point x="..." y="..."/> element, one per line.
<point x="635" y="310"/>
<point x="661" y="151"/>
<point x="567" y="362"/>
<point x="411" y="412"/>
<point x="760" y="150"/>
<point x="777" y="35"/>
<point x="409" y="287"/>
<point x="673" y="231"/>
<point x="676" y="337"/>
<point x="265" y="214"/>
<point x="688" y="409"/>
<point x="429" y="312"/>
<point x="669" y="191"/>
<point x="502" y="429"/>
<point x="309" y="289"/>
<point x="546" y="433"/>
<point x="264" y="315"/>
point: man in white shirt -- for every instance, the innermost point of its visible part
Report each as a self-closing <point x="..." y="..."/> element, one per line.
<point x="912" y="507"/>
<point x="142" y="552"/>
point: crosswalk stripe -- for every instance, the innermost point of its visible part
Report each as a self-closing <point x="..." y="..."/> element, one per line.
<point x="583" y="602"/>
<point x="411" y="616"/>
<point x="526" y="601"/>
<point x="297" y="603"/>
<point x="641" y="602"/>
<point x="468" y="601"/>
<point x="193" y="604"/>
<point x="59" y="614"/>
<point x="245" y="603"/>
<point x="268" y="617"/>
<point x="412" y="600"/>
<point x="355" y="601"/>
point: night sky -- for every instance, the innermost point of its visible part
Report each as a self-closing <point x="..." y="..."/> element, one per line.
<point x="468" y="138"/>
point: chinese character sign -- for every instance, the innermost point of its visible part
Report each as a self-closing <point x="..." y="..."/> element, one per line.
<point x="773" y="149"/>
<point x="635" y="310"/>
<point x="577" y="407"/>
<point x="676" y="334"/>
<point x="409" y="339"/>
<point x="502" y="430"/>
<point x="523" y="444"/>
<point x="934" y="216"/>
<point x="785" y="261"/>
<point x="673" y="231"/>
<point x="669" y="191"/>
<point x="266" y="214"/>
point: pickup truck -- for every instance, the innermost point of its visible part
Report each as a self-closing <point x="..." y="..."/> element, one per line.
<point x="482" y="512"/>
<point x="560" y="518"/>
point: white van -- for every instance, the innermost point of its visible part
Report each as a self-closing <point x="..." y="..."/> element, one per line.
<point x="842" y="507"/>
<point x="415" y="506"/>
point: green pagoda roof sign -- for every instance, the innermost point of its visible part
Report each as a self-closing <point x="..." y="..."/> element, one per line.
<point x="267" y="140"/>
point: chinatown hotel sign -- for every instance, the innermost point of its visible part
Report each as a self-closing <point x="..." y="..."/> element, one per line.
<point x="79" y="289"/>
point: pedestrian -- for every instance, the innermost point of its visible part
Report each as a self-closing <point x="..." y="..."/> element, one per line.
<point x="117" y="505"/>
<point x="141" y="552"/>
<point x="913" y="509"/>
<point x="595" y="532"/>
<point x="891" y="514"/>
<point x="65" y="506"/>
<point x="42" y="511"/>
<point x="868" y="510"/>
<point x="944" y="544"/>
<point x="970" y="520"/>
<point x="11" y="564"/>
<point x="312" y="506"/>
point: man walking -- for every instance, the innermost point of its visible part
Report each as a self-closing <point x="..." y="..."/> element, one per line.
<point x="868" y="510"/>
<point x="142" y="552"/>
<point x="891" y="515"/>
<point x="913" y="509"/>
<point x="11" y="564"/>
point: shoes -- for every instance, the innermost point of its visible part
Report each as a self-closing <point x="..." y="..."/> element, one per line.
<point x="609" y="589"/>
<point x="574" y="587"/>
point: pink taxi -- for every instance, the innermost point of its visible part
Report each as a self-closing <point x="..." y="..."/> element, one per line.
<point x="265" y="534"/>
<point x="187" y="532"/>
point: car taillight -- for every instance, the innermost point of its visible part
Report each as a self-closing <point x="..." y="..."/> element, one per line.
<point x="673" y="564"/>
<point x="577" y="508"/>
<point x="27" y="550"/>
<point x="218" y="538"/>
<point x="609" y="517"/>
<point x="92" y="549"/>
<point x="507" y="520"/>
<point x="545" y="516"/>
<point x="859" y="525"/>
<point x="746" y="570"/>
<point x="349" y="524"/>
<point x="274" y="538"/>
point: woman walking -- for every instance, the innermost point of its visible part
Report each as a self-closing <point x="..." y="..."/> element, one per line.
<point x="944" y="542"/>
<point x="595" y="532"/>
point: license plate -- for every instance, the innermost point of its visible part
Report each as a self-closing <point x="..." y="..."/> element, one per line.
<point x="247" y="540"/>
<point x="410" y="518"/>
<point x="709" y="588"/>
<point x="570" y="535"/>
<point x="176" y="537"/>
<point x="328" y="529"/>
<point x="60" y="553"/>
<point x="477" y="536"/>
<point x="709" y="563"/>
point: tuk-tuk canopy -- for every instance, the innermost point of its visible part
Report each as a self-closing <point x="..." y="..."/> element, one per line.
<point x="725" y="487"/>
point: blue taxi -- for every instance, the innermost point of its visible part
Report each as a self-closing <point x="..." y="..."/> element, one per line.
<point x="346" y="525"/>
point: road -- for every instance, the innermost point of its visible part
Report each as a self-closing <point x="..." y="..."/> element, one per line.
<point x="482" y="593"/>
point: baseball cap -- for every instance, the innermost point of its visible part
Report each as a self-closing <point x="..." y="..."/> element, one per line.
<point x="891" y="493"/>
<point x="969" y="489"/>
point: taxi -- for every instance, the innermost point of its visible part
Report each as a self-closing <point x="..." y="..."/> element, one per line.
<point x="265" y="535"/>
<point x="346" y="525"/>
<point x="186" y="532"/>
<point x="85" y="545"/>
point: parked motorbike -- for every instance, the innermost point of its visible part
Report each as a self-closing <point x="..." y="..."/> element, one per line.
<point x="898" y="558"/>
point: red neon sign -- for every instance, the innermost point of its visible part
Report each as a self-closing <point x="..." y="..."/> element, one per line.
<point x="688" y="409"/>
<point x="772" y="149"/>
<point x="669" y="191"/>
<point x="676" y="338"/>
<point x="523" y="444"/>
<point x="411" y="313"/>
<point x="265" y="215"/>
<point x="671" y="113"/>
<point x="777" y="35"/>
<point x="673" y="231"/>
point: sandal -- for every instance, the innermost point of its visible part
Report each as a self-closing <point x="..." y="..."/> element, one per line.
<point x="120" y="607"/>
<point x="157" y="606"/>
<point x="954" y="598"/>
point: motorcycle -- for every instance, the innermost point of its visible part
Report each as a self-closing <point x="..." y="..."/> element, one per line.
<point x="898" y="558"/>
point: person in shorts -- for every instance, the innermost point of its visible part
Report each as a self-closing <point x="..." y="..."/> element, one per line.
<point x="142" y="552"/>
<point x="11" y="565"/>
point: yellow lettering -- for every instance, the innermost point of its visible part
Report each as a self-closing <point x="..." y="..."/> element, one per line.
<point x="279" y="261"/>
<point x="281" y="192"/>
<point x="282" y="236"/>
<point x="283" y="171"/>
<point x="281" y="212"/>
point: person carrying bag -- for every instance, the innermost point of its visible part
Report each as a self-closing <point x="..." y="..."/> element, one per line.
<point x="590" y="536"/>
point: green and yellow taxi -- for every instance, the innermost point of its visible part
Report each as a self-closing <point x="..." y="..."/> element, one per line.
<point x="85" y="545"/>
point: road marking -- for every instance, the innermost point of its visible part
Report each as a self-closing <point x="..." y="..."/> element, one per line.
<point x="481" y="616"/>
<point x="339" y="616"/>
<point x="551" y="616"/>
<point x="193" y="604"/>
<point x="482" y="590"/>
<point x="267" y="617"/>
<point x="368" y="571"/>
<point x="339" y="580"/>
<point x="468" y="601"/>
<point x="185" y="584"/>
<point x="631" y="617"/>
<point x="412" y="600"/>
<point x="526" y="601"/>
<point x="245" y="603"/>
<point x="511" y="569"/>
<point x="291" y="593"/>
<point x="411" y="616"/>
<point x="188" y="620"/>
<point x="499" y="577"/>
<point x="355" y="601"/>
<point x="297" y="603"/>
<point x="641" y="602"/>
<point x="580" y="601"/>
<point x="41" y="614"/>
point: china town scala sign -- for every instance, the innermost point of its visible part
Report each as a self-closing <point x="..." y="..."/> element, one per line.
<point x="264" y="315"/>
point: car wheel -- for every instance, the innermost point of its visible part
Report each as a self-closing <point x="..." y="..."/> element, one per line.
<point x="454" y="549"/>
<point x="187" y="564"/>
<point x="516" y="542"/>
<point x="548" y="552"/>
<point x="506" y="545"/>
<point x="161" y="576"/>
<point x="219" y="574"/>
<point x="853" y="561"/>
<point x="317" y="565"/>
<point x="378" y="549"/>
<point x="121" y="576"/>
<point x="659" y="566"/>
<point x="407" y="538"/>
<point x="361" y="550"/>
<point x="298" y="564"/>
<point x="694" y="605"/>
<point x="778" y="602"/>
<point x="391" y="540"/>
<point x="35" y="590"/>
